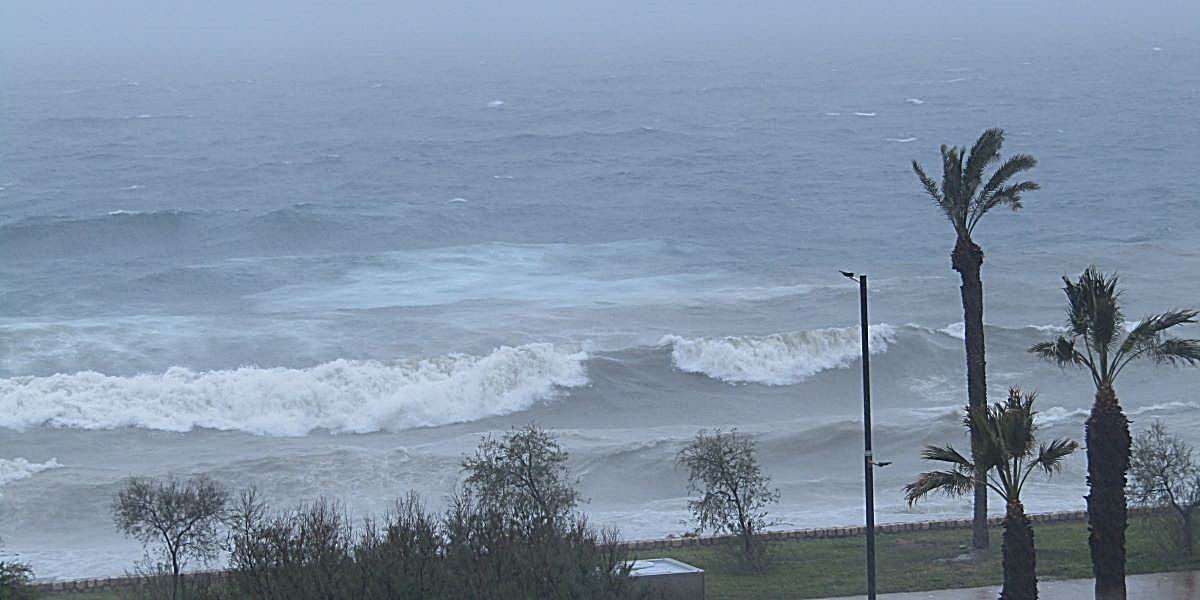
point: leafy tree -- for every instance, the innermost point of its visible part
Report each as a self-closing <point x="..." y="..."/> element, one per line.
<point x="182" y="518"/>
<point x="513" y="532"/>
<point x="1163" y="473"/>
<point x="734" y="494"/>
<point x="965" y="198"/>
<point x="1095" y="322"/>
<point x="523" y="475"/>
<point x="1008" y="453"/>
<point x="14" y="581"/>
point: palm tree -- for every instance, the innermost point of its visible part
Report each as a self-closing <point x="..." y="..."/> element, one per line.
<point x="1008" y="453"/>
<point x="965" y="198"/>
<point x="1095" y="319"/>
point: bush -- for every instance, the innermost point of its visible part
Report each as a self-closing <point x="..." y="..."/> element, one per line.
<point x="1164" y="474"/>
<point x="734" y="493"/>
<point x="510" y="533"/>
<point x="14" y="581"/>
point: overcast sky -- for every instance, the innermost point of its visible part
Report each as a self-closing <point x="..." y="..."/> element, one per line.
<point x="91" y="27"/>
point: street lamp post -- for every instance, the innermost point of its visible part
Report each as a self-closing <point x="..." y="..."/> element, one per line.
<point x="868" y="456"/>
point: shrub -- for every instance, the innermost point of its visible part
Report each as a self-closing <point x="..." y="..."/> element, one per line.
<point x="734" y="494"/>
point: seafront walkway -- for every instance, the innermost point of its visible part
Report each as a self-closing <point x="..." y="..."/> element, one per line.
<point x="1180" y="585"/>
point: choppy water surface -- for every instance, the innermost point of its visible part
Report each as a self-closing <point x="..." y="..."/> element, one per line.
<point x="334" y="284"/>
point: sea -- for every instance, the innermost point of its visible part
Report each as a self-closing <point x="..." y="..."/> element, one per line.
<point x="332" y="276"/>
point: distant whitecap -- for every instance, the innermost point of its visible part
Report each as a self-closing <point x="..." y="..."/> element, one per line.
<point x="458" y="200"/>
<point x="915" y="101"/>
<point x="496" y="103"/>
<point x="833" y="114"/>
<point x="145" y="116"/>
<point x="1156" y="49"/>
<point x="955" y="80"/>
<point x="901" y="140"/>
<point x="864" y="114"/>
<point x="132" y="187"/>
<point x="503" y="177"/>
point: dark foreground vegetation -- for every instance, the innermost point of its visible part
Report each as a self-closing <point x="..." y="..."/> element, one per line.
<point x="909" y="561"/>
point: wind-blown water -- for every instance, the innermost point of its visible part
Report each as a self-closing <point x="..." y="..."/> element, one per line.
<point x="334" y="284"/>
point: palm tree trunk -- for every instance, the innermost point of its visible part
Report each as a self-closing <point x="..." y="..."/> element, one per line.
<point x="967" y="259"/>
<point x="1108" y="444"/>
<point x="1020" y="558"/>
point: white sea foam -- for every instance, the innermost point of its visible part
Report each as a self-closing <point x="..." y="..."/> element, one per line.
<point x="496" y="103"/>
<point x="916" y="101"/>
<point x="20" y="468"/>
<point x="955" y="80"/>
<point x="956" y="330"/>
<point x="1057" y="414"/>
<point x="777" y="359"/>
<point x="833" y="114"/>
<point x="342" y="396"/>
<point x="864" y="114"/>
<point x="457" y="200"/>
<point x="904" y="140"/>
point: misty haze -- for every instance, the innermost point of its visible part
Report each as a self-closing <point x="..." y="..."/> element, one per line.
<point x="322" y="249"/>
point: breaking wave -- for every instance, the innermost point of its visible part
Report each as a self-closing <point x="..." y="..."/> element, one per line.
<point x="20" y="468"/>
<point x="340" y="396"/>
<point x="776" y="359"/>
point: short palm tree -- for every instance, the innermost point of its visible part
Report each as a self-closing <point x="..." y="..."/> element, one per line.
<point x="964" y="197"/>
<point x="1095" y="322"/>
<point x="1008" y="453"/>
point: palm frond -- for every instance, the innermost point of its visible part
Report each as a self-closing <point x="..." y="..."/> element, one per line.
<point x="1060" y="351"/>
<point x="952" y="187"/>
<point x="1010" y="195"/>
<point x="950" y="483"/>
<point x="1015" y="164"/>
<point x="1175" y="351"/>
<point x="985" y="151"/>
<point x="947" y="454"/>
<point x="1014" y="423"/>
<point x="1050" y="456"/>
<point x="932" y="189"/>
<point x="1147" y="329"/>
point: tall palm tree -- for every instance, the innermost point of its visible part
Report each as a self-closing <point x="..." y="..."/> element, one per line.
<point x="1095" y="319"/>
<point x="965" y="198"/>
<point x="1008" y="453"/>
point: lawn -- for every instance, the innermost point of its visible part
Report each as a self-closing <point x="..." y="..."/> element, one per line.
<point x="915" y="561"/>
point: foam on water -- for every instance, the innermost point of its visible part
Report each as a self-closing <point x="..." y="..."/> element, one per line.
<point x="341" y="396"/>
<point x="776" y="359"/>
<point x="20" y="468"/>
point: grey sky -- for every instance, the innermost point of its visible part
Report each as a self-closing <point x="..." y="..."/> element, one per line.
<point x="64" y="27"/>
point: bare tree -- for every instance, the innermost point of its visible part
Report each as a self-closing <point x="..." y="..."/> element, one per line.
<point x="180" y="518"/>
<point x="1163" y="474"/>
<point x="723" y="468"/>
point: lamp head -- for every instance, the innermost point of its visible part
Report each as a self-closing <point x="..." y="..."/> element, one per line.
<point x="847" y="274"/>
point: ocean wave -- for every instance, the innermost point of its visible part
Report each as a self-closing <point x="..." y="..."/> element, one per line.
<point x="955" y="330"/>
<point x="777" y="359"/>
<point x="340" y="396"/>
<point x="12" y="469"/>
